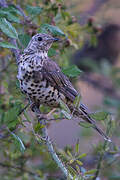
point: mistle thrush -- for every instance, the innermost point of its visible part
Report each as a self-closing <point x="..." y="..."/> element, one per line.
<point x="43" y="81"/>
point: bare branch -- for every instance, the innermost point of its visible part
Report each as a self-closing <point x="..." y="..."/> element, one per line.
<point x="50" y="146"/>
<point x="19" y="169"/>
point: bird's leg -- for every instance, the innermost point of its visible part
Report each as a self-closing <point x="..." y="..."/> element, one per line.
<point x="23" y="109"/>
<point x="35" y="108"/>
<point x="33" y="105"/>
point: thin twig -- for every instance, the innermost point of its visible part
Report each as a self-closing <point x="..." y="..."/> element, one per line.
<point x="102" y="153"/>
<point x="19" y="168"/>
<point x="50" y="146"/>
<point x="22" y="110"/>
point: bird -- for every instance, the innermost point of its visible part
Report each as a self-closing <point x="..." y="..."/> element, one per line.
<point x="43" y="82"/>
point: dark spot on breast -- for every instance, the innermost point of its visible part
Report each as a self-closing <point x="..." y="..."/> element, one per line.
<point x="26" y="59"/>
<point x="29" y="88"/>
<point x="39" y="90"/>
<point x="49" y="92"/>
<point x="47" y="97"/>
<point x="40" y="96"/>
<point x="38" y="66"/>
<point x="52" y="93"/>
<point x="50" y="100"/>
<point x="47" y="84"/>
<point x="23" y="69"/>
<point x="32" y="84"/>
<point x="31" y="66"/>
<point x="40" y="86"/>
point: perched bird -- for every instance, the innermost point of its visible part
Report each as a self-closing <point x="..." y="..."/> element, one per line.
<point x="42" y="80"/>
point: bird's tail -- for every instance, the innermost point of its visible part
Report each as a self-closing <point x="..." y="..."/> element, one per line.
<point x="86" y="117"/>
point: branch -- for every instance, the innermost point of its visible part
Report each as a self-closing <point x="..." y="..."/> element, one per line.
<point x="102" y="152"/>
<point x="49" y="144"/>
<point x="19" y="168"/>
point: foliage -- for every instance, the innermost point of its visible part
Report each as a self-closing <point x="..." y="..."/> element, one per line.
<point x="21" y="155"/>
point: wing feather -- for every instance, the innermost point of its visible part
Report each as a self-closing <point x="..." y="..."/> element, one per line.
<point x="53" y="74"/>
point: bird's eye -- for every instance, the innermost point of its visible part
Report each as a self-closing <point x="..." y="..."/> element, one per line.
<point x="39" y="39"/>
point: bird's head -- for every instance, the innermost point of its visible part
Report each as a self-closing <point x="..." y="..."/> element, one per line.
<point x="41" y="42"/>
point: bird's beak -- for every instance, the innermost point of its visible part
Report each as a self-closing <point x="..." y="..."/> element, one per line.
<point x="54" y="39"/>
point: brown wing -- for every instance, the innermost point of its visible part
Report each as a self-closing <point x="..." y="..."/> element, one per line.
<point x="52" y="73"/>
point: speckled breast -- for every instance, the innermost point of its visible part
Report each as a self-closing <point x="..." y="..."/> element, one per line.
<point x="39" y="91"/>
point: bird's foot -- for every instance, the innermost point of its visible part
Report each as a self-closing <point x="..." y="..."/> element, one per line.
<point x="33" y="106"/>
<point x="42" y="118"/>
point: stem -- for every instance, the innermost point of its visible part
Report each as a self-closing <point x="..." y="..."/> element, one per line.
<point x="102" y="152"/>
<point x="19" y="169"/>
<point x="50" y="146"/>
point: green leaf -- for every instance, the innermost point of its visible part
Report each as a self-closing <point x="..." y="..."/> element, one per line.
<point x="11" y="116"/>
<point x="67" y="115"/>
<point x="7" y="45"/>
<point x="51" y="52"/>
<point x="77" y="147"/>
<point x="85" y="124"/>
<point x="18" y="142"/>
<point x="11" y="17"/>
<point x="13" y="9"/>
<point x="71" y="161"/>
<point x="99" y="116"/>
<point x="7" y="28"/>
<point x="44" y="28"/>
<point x="69" y="154"/>
<point x="72" y="71"/>
<point x="81" y="156"/>
<point x="24" y="39"/>
<point x="34" y="10"/>
<point x="90" y="171"/>
<point x="77" y="101"/>
<point x="38" y="127"/>
<point x="72" y="170"/>
<point x="64" y="106"/>
<point x="79" y="162"/>
<point x="65" y="110"/>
